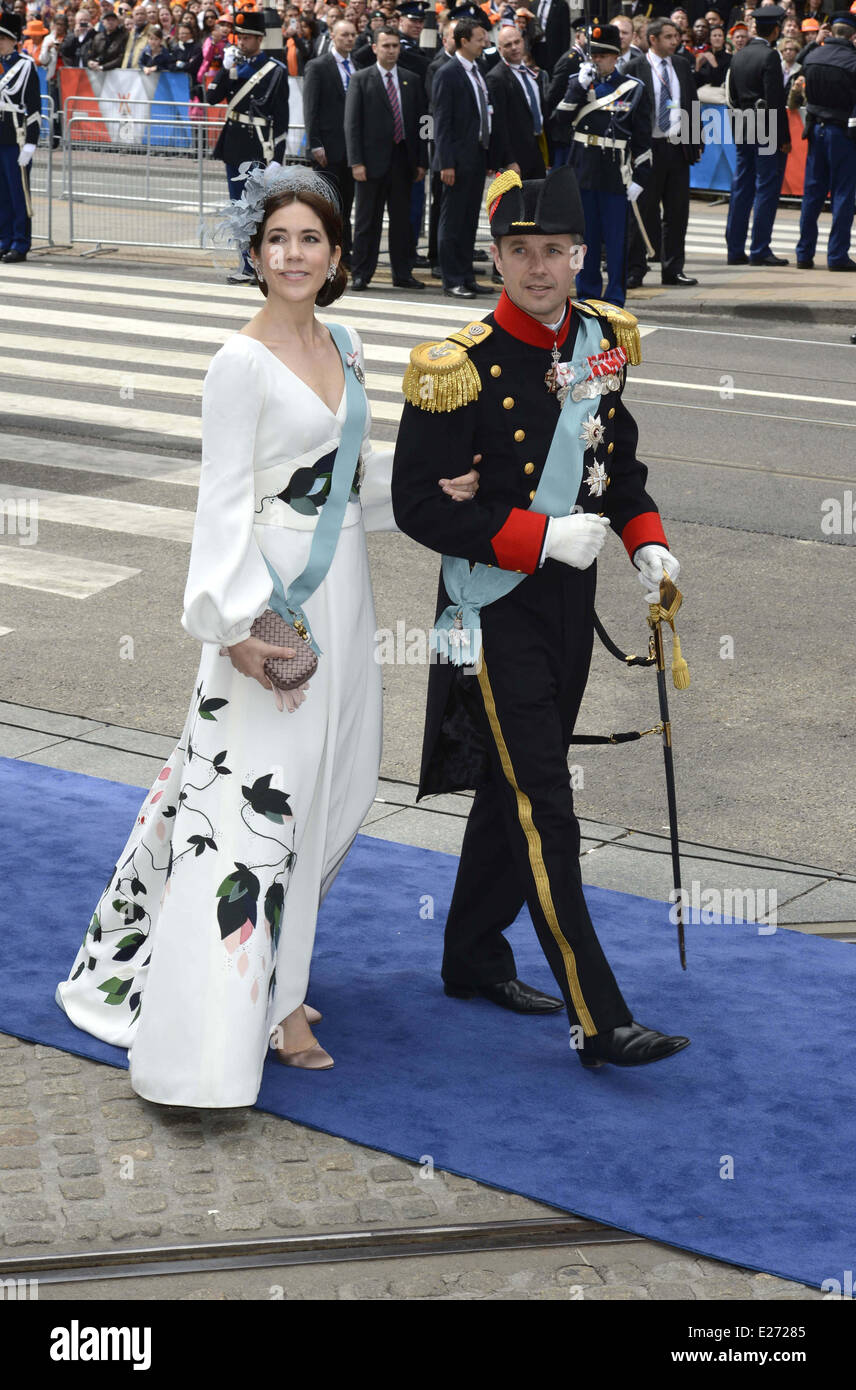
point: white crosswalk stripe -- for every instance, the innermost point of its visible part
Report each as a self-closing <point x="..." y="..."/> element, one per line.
<point x="119" y="357"/>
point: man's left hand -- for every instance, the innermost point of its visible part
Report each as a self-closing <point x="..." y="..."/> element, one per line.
<point x="654" y="562"/>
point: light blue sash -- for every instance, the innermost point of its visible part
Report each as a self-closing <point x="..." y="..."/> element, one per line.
<point x="470" y="590"/>
<point x="289" y="605"/>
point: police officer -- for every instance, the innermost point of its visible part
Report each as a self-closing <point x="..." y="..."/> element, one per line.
<point x="754" y="85"/>
<point x="830" y="128"/>
<point x="535" y="388"/>
<point x="255" y="85"/>
<point x="610" y="151"/>
<point x="20" y="122"/>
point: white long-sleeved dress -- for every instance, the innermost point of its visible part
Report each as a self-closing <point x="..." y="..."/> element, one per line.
<point x="202" y="940"/>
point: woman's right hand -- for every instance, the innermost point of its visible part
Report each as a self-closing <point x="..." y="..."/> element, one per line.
<point x="249" y="658"/>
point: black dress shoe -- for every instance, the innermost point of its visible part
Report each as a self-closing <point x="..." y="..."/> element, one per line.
<point x="359" y="284"/>
<point x="742" y="259"/>
<point x="411" y="283"/>
<point x="631" y="1045"/>
<point x="419" y="260"/>
<point x="480" y="256"/>
<point x="769" y="260"/>
<point x="679" y="279"/>
<point x="496" y="277"/>
<point x="512" y="994"/>
<point x="13" y="257"/>
<point x="479" y="289"/>
<point x="805" y="265"/>
<point x="842" y="265"/>
<point x="435" y="272"/>
<point x="633" y="282"/>
<point x="460" y="292"/>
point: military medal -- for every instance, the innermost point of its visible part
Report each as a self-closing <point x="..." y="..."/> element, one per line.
<point x="592" y="432"/>
<point x="559" y="377"/>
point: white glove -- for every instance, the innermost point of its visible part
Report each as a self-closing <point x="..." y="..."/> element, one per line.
<point x="652" y="562"/>
<point x="633" y="191"/>
<point x="575" y="540"/>
<point x="27" y="152"/>
<point x="231" y="56"/>
<point x="586" y="75"/>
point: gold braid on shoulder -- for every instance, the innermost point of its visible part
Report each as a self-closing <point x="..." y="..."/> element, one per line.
<point x="624" y="325"/>
<point x="440" y="376"/>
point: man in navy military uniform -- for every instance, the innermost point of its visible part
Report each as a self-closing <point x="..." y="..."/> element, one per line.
<point x="254" y="132"/>
<point x="20" y="122"/>
<point x="754" y="84"/>
<point x="830" y="127"/>
<point x="611" y="153"/>
<point x="524" y="567"/>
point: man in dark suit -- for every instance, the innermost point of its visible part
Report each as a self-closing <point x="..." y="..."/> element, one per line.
<point x="325" y="83"/>
<point x="518" y="120"/>
<point x="755" y="87"/>
<point x="387" y="151"/>
<point x="554" y="19"/>
<point x="463" y="152"/>
<point x="671" y="92"/>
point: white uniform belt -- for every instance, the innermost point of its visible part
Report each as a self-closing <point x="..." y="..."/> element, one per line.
<point x="247" y="120"/>
<point x="605" y="142"/>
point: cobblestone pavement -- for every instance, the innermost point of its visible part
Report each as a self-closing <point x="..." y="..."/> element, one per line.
<point x="86" y="1164"/>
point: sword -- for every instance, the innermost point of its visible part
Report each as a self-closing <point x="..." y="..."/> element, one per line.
<point x="641" y="225"/>
<point x="658" y="613"/>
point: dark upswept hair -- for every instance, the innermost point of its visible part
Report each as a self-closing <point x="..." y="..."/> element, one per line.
<point x="331" y="221"/>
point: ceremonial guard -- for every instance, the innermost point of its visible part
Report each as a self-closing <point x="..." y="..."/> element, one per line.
<point x="535" y="389"/>
<point x="830" y="128"/>
<point x="610" y="150"/>
<point x="20" y="123"/>
<point x="754" y="85"/>
<point x="254" y="132"/>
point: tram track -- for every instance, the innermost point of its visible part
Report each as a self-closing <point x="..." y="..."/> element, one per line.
<point x="398" y="1242"/>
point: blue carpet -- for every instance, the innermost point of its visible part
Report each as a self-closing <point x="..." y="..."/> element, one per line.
<point x="769" y="1081"/>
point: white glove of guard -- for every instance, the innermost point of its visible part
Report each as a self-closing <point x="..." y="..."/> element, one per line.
<point x="27" y="152"/>
<point x="231" y="56"/>
<point x="633" y="191"/>
<point x="586" y="75"/>
<point x="652" y="562"/>
<point x="575" y="540"/>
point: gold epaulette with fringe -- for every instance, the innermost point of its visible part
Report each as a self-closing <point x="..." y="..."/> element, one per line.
<point x="624" y="325"/>
<point x="440" y="375"/>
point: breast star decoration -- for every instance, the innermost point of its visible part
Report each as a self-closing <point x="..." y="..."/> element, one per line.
<point x="592" y="432"/>
<point x="596" y="479"/>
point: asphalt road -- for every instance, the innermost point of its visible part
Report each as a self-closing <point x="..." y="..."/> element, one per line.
<point x="748" y="430"/>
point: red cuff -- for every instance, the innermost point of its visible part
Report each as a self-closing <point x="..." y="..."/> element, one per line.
<point x="517" y="545"/>
<point x="645" y="529"/>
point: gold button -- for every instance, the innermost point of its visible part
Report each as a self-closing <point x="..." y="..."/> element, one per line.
<point x="496" y="370"/>
<point x="604" y="342"/>
<point x="609" y="448"/>
<point x="508" y="403"/>
<point x="611" y="413"/>
<point x="529" y="468"/>
<point x="532" y="497"/>
<point x="520" y="435"/>
<point x="518" y="571"/>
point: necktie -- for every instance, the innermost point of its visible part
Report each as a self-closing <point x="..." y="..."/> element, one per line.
<point x="347" y="66"/>
<point x="397" y="123"/>
<point x="664" y="116"/>
<point x="528" y="81"/>
<point x="484" y="125"/>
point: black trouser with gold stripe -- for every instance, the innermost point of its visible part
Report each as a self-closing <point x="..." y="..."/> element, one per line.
<point x="522" y="839"/>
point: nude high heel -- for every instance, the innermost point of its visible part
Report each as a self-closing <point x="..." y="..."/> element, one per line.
<point x="311" y="1058"/>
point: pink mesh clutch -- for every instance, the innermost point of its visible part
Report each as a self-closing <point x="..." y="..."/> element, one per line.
<point x="284" y="672"/>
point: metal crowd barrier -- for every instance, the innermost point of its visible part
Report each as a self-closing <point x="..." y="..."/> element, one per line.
<point x="42" y="192"/>
<point x="139" y="181"/>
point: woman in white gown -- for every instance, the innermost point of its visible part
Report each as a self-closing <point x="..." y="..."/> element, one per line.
<point x="200" y="946"/>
